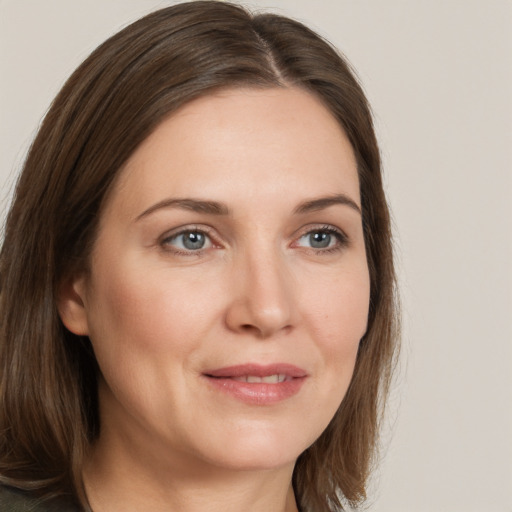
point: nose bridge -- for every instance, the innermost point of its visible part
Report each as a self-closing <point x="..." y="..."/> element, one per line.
<point x="264" y="300"/>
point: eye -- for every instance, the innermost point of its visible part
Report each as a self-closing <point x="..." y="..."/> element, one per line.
<point x="326" y="238"/>
<point x="189" y="241"/>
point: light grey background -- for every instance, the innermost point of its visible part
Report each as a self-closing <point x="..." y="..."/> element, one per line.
<point x="439" y="76"/>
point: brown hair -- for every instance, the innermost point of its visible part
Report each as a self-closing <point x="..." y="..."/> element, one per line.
<point x="111" y="103"/>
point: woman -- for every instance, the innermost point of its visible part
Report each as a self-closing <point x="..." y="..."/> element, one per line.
<point x="197" y="282"/>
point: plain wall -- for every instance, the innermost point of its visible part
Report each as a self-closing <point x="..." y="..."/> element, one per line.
<point x="439" y="77"/>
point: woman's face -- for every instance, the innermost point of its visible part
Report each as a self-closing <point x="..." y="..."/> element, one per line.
<point x="228" y="288"/>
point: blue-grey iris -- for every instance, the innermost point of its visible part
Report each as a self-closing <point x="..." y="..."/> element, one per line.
<point x="193" y="240"/>
<point x="320" y="239"/>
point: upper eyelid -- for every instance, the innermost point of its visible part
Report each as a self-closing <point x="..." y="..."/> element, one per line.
<point x="342" y="239"/>
<point x="186" y="229"/>
<point x="322" y="227"/>
<point x="164" y="242"/>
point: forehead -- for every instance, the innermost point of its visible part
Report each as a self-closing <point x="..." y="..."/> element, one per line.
<point x="238" y="142"/>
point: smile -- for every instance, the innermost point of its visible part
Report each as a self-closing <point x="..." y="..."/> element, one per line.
<point x="270" y="379"/>
<point x="258" y="384"/>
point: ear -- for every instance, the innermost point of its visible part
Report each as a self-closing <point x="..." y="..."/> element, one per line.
<point x="71" y="305"/>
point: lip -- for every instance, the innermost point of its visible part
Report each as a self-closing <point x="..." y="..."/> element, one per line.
<point x="257" y="393"/>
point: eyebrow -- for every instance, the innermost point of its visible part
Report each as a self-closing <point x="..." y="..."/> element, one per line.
<point x="325" y="202"/>
<point x="194" y="205"/>
<point x="216" y="208"/>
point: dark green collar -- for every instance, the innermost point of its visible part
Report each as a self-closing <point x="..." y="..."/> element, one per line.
<point x="15" y="500"/>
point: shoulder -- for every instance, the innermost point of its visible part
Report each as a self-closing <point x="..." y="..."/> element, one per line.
<point x="14" y="500"/>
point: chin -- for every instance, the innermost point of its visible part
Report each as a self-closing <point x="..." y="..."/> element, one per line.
<point x="255" y="460"/>
<point x="259" y="450"/>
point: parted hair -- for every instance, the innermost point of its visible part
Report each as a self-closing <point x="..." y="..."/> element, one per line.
<point x="110" y="104"/>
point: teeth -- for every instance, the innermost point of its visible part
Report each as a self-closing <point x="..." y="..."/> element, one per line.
<point x="270" y="379"/>
<point x="273" y="379"/>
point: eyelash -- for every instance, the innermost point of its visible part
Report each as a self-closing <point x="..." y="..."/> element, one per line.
<point x="165" y="242"/>
<point x="341" y="240"/>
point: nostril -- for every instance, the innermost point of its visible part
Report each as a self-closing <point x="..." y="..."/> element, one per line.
<point x="249" y="328"/>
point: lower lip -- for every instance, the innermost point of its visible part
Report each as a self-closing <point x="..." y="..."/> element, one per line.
<point x="258" y="393"/>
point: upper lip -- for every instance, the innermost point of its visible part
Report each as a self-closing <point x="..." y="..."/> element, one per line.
<point x="257" y="370"/>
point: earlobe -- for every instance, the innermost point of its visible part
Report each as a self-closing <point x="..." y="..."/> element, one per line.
<point x="71" y="305"/>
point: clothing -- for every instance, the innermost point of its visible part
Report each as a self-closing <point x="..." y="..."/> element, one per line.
<point x="14" y="500"/>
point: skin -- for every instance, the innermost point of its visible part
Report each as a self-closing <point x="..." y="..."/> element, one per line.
<point x="259" y="291"/>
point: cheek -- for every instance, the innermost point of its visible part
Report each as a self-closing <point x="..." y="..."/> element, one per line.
<point x="337" y="315"/>
<point x="145" y="327"/>
<point x="338" y="310"/>
<point x="138" y="312"/>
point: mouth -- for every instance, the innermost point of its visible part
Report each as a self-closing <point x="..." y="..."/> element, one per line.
<point x="258" y="384"/>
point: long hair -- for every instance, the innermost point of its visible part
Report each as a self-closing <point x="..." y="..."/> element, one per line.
<point x="111" y="103"/>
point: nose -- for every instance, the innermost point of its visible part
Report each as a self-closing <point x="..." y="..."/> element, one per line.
<point x="263" y="300"/>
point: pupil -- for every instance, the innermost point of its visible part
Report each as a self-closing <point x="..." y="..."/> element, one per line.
<point x="193" y="240"/>
<point x="320" y="239"/>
